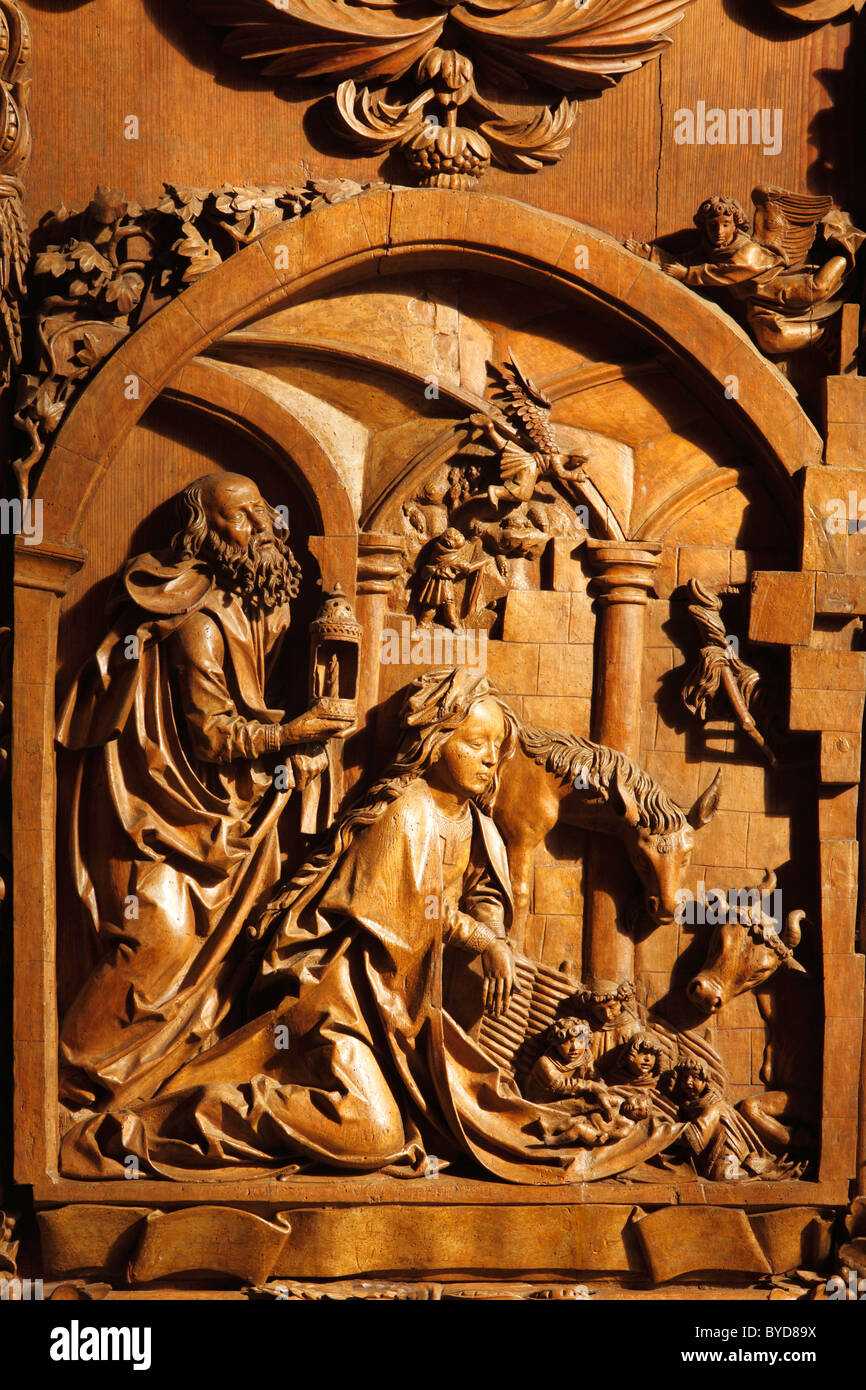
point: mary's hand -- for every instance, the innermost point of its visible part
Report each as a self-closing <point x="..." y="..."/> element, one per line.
<point x="497" y="963"/>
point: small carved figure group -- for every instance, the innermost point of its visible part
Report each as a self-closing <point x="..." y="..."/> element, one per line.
<point x="607" y="1086"/>
<point x="565" y="1075"/>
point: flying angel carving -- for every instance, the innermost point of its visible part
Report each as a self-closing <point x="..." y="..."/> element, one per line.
<point x="521" y="430"/>
<point x="787" y="271"/>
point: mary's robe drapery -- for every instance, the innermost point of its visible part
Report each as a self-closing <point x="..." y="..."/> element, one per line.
<point x="371" y="1071"/>
<point x="173" y="822"/>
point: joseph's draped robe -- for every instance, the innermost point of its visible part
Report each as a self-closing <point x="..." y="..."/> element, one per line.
<point x="358" y="1064"/>
<point x="173" y="822"/>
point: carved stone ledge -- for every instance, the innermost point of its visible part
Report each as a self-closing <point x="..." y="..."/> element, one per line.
<point x="47" y="566"/>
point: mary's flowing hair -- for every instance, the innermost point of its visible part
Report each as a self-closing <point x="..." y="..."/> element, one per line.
<point x="434" y="705"/>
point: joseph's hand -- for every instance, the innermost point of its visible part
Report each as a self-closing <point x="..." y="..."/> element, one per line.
<point x="313" y="728"/>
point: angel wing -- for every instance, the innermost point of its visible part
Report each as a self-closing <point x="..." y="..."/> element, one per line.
<point x="517" y="395"/>
<point x="787" y="221"/>
<point x="324" y="38"/>
<point x="560" y="42"/>
<point x="568" y="45"/>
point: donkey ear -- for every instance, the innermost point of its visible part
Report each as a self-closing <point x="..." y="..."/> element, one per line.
<point x="623" y="802"/>
<point x="707" y="803"/>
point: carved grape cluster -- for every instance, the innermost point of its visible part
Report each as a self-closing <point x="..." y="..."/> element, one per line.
<point x="448" y="156"/>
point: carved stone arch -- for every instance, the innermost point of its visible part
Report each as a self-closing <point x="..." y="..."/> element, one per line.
<point x="206" y="385"/>
<point x="711" y="483"/>
<point x="382" y="232"/>
<point x="391" y="231"/>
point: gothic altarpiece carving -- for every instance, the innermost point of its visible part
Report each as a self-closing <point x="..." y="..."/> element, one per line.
<point x="451" y="677"/>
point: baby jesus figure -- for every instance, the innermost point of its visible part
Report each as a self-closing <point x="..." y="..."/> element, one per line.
<point x="562" y="1075"/>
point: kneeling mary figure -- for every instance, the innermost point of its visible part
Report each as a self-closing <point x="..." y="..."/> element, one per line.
<point x="351" y="1060"/>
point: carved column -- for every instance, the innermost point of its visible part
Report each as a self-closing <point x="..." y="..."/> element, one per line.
<point x="42" y="573"/>
<point x="624" y="580"/>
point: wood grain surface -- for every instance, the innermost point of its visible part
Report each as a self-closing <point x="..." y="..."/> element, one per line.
<point x="206" y="118"/>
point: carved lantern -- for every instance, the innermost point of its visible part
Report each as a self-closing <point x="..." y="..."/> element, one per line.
<point x="335" y="657"/>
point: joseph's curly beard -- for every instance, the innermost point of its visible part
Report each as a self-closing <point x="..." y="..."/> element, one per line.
<point x="264" y="573"/>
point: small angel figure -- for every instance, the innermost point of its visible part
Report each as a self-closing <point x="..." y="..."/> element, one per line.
<point x="562" y="1076"/>
<point x="722" y="1143"/>
<point x="564" y="1069"/>
<point x="637" y="1065"/>
<point x="788" y="301"/>
<point x="608" y="1008"/>
<point x="525" y="419"/>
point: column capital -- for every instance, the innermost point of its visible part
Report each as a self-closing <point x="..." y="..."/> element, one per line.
<point x="624" y="570"/>
<point x="380" y="561"/>
<point x="49" y="565"/>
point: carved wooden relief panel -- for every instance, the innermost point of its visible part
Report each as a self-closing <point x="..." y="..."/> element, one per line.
<point x="432" y="736"/>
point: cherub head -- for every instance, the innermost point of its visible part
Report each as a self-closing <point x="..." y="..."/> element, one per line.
<point x="642" y="1057"/>
<point x="570" y="1039"/>
<point x="719" y="219"/>
<point x="689" y="1080"/>
<point x="604" y="1000"/>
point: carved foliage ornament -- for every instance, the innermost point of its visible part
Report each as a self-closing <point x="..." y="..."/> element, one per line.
<point x="448" y="132"/>
<point x="15" y="48"/>
<point x="102" y="271"/>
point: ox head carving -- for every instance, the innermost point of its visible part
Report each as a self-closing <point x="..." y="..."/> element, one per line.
<point x="746" y="947"/>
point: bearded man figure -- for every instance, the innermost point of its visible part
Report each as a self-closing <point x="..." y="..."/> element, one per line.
<point x="175" y="806"/>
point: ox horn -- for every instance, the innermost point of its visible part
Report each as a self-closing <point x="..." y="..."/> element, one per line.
<point x="769" y="886"/>
<point x="707" y="804"/>
<point x="790" y="936"/>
